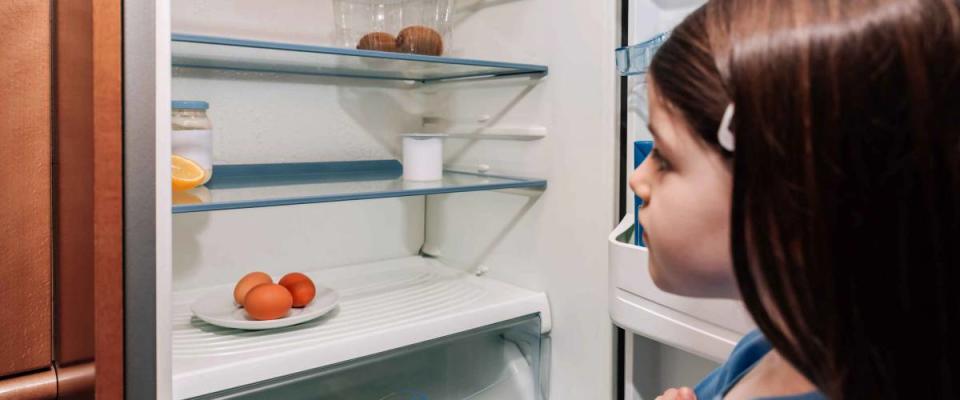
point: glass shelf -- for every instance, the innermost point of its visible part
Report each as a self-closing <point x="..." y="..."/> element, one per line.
<point x="635" y="60"/>
<point x="267" y="185"/>
<point x="193" y="51"/>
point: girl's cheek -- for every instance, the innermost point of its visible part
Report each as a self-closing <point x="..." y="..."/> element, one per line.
<point x="663" y="270"/>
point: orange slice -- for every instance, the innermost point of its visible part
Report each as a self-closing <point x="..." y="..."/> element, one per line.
<point x="186" y="174"/>
<point x="186" y="198"/>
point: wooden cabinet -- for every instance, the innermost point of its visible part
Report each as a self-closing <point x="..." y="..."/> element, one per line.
<point x="61" y="271"/>
<point x="26" y="168"/>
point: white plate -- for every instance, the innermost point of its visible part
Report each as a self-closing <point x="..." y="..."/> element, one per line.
<point x="218" y="308"/>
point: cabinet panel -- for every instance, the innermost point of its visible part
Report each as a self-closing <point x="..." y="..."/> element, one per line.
<point x="88" y="239"/>
<point x="74" y="184"/>
<point x="25" y="186"/>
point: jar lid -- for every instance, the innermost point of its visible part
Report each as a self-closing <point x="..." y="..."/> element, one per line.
<point x="190" y="105"/>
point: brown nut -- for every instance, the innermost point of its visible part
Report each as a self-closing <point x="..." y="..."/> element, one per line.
<point x="420" y="40"/>
<point x="380" y="41"/>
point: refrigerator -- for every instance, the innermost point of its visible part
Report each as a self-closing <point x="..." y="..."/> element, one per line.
<point x="515" y="277"/>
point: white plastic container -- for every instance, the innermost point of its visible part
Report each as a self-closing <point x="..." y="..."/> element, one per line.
<point x="423" y="156"/>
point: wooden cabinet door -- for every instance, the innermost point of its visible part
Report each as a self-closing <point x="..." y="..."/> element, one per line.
<point x="26" y="190"/>
<point x="61" y="174"/>
<point x="88" y="316"/>
<point x="88" y="269"/>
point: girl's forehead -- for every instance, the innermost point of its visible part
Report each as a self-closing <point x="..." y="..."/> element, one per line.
<point x="667" y="124"/>
<point x="663" y="124"/>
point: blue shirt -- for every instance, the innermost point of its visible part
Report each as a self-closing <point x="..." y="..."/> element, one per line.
<point x="744" y="357"/>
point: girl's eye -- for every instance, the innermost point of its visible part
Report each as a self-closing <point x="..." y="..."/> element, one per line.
<point x="662" y="164"/>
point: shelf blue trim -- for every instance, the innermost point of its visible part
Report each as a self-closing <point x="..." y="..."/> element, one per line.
<point x="247" y="175"/>
<point x="514" y="68"/>
<point x="254" y="175"/>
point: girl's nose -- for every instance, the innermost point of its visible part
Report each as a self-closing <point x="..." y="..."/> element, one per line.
<point x="640" y="181"/>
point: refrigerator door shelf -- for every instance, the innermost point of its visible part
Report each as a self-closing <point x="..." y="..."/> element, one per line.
<point x="709" y="328"/>
<point x="384" y="306"/>
<point x="635" y="60"/>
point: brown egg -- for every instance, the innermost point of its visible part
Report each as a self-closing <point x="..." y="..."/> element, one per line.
<point x="420" y="40"/>
<point x="302" y="292"/>
<point x="268" y="301"/>
<point x="380" y="41"/>
<point x="249" y="281"/>
<point x="300" y="286"/>
<point x="293" y="277"/>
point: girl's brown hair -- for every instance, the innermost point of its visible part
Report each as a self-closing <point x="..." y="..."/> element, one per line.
<point x="846" y="202"/>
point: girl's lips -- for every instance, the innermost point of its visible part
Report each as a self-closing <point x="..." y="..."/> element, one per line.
<point x="646" y="239"/>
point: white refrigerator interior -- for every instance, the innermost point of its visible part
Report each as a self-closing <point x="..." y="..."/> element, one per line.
<point x="671" y="340"/>
<point x="498" y="294"/>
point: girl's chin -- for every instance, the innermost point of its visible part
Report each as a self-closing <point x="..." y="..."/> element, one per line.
<point x="673" y="284"/>
<point x="657" y="276"/>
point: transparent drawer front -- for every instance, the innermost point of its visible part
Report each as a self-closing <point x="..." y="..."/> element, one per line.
<point x="500" y="361"/>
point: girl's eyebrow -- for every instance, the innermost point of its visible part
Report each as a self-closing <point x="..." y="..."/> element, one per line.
<point x="658" y="140"/>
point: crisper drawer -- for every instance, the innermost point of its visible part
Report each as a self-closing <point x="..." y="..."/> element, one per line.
<point x="707" y="327"/>
<point x="500" y="361"/>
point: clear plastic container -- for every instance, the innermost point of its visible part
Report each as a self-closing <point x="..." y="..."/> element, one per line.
<point x="636" y="59"/>
<point x="192" y="134"/>
<point x="405" y="26"/>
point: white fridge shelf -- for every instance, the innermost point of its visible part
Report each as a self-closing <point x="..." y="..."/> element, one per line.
<point x="384" y="305"/>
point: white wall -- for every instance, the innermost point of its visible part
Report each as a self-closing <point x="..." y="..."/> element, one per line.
<point x="303" y="21"/>
<point x="221" y="246"/>
<point x="275" y="118"/>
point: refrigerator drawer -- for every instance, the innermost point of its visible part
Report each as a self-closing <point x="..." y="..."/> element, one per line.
<point x="500" y="361"/>
<point x="707" y="327"/>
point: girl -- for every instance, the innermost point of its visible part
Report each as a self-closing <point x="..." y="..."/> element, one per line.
<point x="807" y="161"/>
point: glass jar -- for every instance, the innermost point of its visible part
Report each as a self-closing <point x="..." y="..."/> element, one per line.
<point x="191" y="135"/>
<point x="405" y="26"/>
